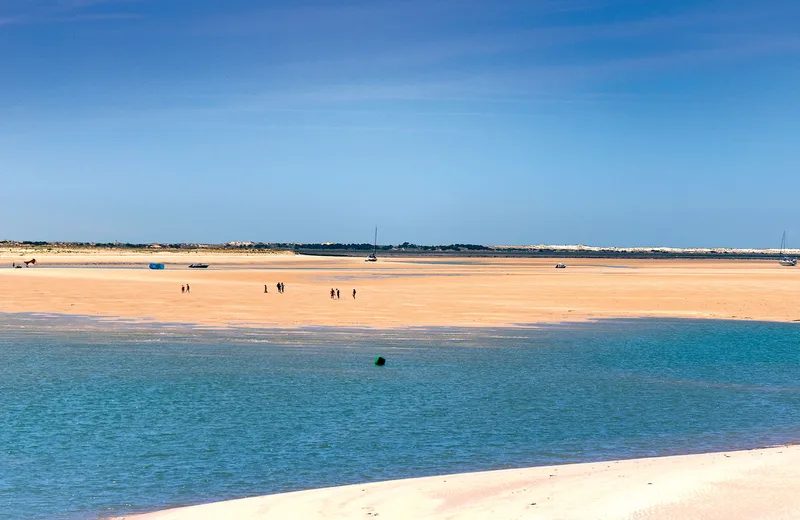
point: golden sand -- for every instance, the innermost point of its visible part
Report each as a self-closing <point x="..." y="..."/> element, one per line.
<point x="395" y="292"/>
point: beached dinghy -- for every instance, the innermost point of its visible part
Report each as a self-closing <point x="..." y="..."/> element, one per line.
<point x="198" y="266"/>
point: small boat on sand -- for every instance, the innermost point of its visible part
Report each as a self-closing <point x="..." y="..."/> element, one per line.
<point x="374" y="257"/>
<point x="561" y="266"/>
<point x="157" y="266"/>
<point x="785" y="259"/>
<point x="198" y="266"/>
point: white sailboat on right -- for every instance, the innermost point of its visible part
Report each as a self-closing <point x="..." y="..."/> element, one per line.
<point x="786" y="260"/>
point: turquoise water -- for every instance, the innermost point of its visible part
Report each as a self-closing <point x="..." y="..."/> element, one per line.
<point x="101" y="420"/>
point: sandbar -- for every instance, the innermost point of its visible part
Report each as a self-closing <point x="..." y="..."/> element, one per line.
<point x="395" y="292"/>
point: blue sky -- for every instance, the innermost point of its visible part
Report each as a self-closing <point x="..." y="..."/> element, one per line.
<point x="599" y="122"/>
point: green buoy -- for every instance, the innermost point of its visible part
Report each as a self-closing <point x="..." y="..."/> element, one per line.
<point x="380" y="361"/>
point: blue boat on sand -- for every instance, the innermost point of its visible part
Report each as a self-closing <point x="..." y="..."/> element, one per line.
<point x="156" y="266"/>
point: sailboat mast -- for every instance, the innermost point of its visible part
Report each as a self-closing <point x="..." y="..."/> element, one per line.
<point x="783" y="243"/>
<point x="375" y="246"/>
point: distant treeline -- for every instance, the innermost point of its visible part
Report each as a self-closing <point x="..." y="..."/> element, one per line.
<point x="280" y="246"/>
<point x="405" y="246"/>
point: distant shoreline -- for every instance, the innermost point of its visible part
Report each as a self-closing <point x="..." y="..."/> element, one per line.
<point x="393" y="251"/>
<point x="559" y="254"/>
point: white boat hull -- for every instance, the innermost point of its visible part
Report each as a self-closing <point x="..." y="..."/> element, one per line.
<point x="786" y="261"/>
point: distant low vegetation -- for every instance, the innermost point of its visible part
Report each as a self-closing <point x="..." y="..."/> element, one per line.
<point x="278" y="246"/>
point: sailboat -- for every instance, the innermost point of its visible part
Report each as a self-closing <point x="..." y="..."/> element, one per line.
<point x="373" y="257"/>
<point x="785" y="259"/>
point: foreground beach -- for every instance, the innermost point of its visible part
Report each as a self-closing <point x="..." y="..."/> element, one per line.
<point x="755" y="484"/>
<point x="394" y="292"/>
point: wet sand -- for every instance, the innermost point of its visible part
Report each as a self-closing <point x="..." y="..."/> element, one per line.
<point x="746" y="485"/>
<point x="395" y="292"/>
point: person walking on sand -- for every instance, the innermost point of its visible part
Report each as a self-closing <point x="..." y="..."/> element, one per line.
<point x="337" y="294"/>
<point x="354" y="294"/>
<point x="332" y="293"/>
<point x="183" y="289"/>
<point x="265" y="289"/>
<point x="187" y="288"/>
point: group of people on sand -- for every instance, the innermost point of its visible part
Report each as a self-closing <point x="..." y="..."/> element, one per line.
<point x="281" y="288"/>
<point x="280" y="285"/>
<point x="335" y="295"/>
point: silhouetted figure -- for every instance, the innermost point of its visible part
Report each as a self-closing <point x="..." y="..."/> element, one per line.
<point x="13" y="264"/>
<point x="265" y="289"/>
<point x="337" y="294"/>
<point x="354" y="294"/>
<point x="183" y="289"/>
<point x="187" y="287"/>
<point x="283" y="287"/>
<point x="332" y="293"/>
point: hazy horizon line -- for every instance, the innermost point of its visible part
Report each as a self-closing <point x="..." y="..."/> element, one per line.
<point x="403" y="245"/>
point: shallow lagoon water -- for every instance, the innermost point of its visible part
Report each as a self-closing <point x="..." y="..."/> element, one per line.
<point x="101" y="419"/>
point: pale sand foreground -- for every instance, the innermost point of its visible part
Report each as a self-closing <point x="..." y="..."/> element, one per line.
<point x="756" y="484"/>
<point x="395" y="293"/>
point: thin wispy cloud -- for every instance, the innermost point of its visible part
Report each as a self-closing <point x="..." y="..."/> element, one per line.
<point x="367" y="15"/>
<point x="92" y="17"/>
<point x="348" y="53"/>
<point x="414" y="41"/>
<point x="64" y="11"/>
<point x="670" y="61"/>
<point x="658" y="43"/>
